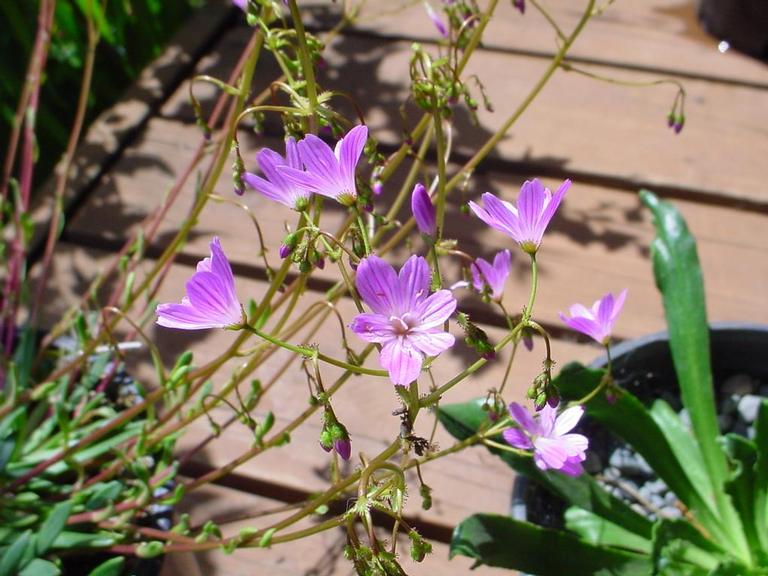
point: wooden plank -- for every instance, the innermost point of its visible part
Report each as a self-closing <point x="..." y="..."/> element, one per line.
<point x="598" y="242"/>
<point x="320" y="554"/>
<point x="364" y="405"/>
<point x="577" y="127"/>
<point x="656" y="35"/>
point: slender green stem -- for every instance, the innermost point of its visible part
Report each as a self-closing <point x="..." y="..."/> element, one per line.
<point x="310" y="352"/>
<point x="363" y="229"/>
<point x="307" y="67"/>
<point x="534" y="287"/>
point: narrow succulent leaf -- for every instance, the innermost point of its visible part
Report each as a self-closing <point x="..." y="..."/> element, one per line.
<point x="53" y="526"/>
<point x="112" y="567"/>
<point x="465" y="419"/>
<point x="678" y="277"/>
<point x="40" y="567"/>
<point x="601" y="532"/>
<point x="677" y="543"/>
<point x="67" y="540"/>
<point x="10" y="563"/>
<point x="683" y="446"/>
<point x="506" y="543"/>
<point x="761" y="475"/>
<point x="742" y="482"/>
<point x="628" y="418"/>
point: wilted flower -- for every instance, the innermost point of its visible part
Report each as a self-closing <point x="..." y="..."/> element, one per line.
<point x="548" y="435"/>
<point x="526" y="222"/>
<point x="211" y="301"/>
<point x="406" y="319"/>
<point x="436" y="20"/>
<point x="276" y="186"/>
<point x="423" y="210"/>
<point x="493" y="275"/>
<point x="520" y="5"/>
<point x="596" y="322"/>
<point x="329" y="172"/>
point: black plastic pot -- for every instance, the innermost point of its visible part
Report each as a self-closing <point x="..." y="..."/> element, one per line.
<point x="644" y="367"/>
<point x="742" y="23"/>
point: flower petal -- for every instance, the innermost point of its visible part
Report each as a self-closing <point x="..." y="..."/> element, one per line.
<point x="412" y="284"/>
<point x="568" y="420"/>
<point x="523" y="418"/>
<point x="431" y="343"/>
<point x="549" y="452"/>
<point x="553" y="204"/>
<point x="436" y="309"/>
<point x="575" y="445"/>
<point x="401" y="360"/>
<point x="517" y="438"/>
<point x="376" y="282"/>
<point x="349" y="150"/>
<point x="373" y="327"/>
<point x="547" y="416"/>
<point x="185" y="317"/>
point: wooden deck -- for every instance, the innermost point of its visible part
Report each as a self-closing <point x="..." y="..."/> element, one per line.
<point x="609" y="139"/>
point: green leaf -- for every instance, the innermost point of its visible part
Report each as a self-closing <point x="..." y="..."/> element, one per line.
<point x="463" y="420"/>
<point x="678" y="544"/>
<point x="68" y="540"/>
<point x="506" y="543"/>
<point x="761" y="475"/>
<point x="629" y="419"/>
<point x="683" y="446"/>
<point x="600" y="532"/>
<point x="741" y="484"/>
<point x="678" y="277"/>
<point x="11" y="560"/>
<point x="112" y="567"/>
<point x="40" y="567"/>
<point x="53" y="526"/>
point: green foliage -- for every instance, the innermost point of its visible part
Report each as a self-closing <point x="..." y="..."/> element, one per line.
<point x="722" y="481"/>
<point x="133" y="33"/>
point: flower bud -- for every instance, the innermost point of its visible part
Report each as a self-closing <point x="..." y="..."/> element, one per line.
<point x="343" y="448"/>
<point x="284" y="251"/>
<point x="423" y="210"/>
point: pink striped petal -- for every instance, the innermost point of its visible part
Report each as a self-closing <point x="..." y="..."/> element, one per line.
<point x="401" y="360"/>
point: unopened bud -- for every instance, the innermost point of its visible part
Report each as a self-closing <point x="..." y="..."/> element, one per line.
<point x="423" y="210"/>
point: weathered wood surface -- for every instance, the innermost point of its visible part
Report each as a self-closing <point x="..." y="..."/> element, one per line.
<point x="608" y="139"/>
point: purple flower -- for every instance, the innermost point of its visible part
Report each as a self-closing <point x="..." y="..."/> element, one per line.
<point x="492" y="275"/>
<point x="242" y="4"/>
<point x="329" y="172"/>
<point x="423" y="210"/>
<point x="520" y="5"/>
<point x="596" y="322"/>
<point x="211" y="301"/>
<point x="276" y="186"/>
<point x="547" y="434"/>
<point x="406" y="319"/>
<point x="526" y="222"/>
<point x="436" y="20"/>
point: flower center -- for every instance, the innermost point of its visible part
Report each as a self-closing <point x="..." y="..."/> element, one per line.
<point x="402" y="324"/>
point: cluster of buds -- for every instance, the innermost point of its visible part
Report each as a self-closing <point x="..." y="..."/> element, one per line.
<point x="302" y="252"/>
<point x="542" y="391"/>
<point x="334" y="435"/>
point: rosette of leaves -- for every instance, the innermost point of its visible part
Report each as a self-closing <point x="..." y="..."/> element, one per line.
<point x="59" y="436"/>
<point x="720" y="481"/>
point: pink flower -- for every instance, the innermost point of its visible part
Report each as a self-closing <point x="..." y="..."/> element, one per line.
<point x="211" y="301"/>
<point x="406" y="319"/>
<point x="527" y="221"/>
<point x="423" y="210"/>
<point x="548" y="435"/>
<point x="596" y="322"/>
<point x="329" y="172"/>
<point x="242" y="4"/>
<point x="493" y="276"/>
<point x="276" y="186"/>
